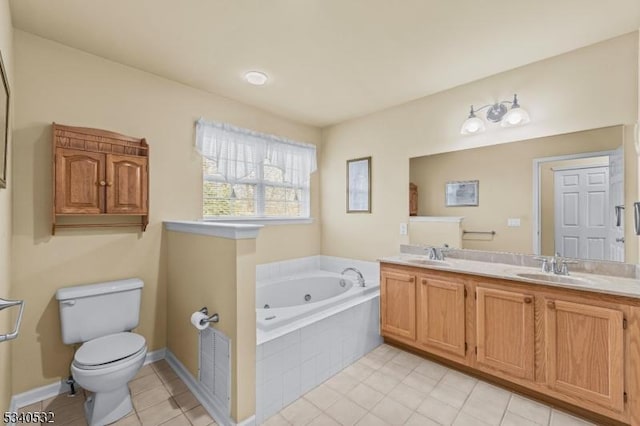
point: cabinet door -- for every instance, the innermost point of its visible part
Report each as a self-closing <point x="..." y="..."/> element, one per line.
<point x="441" y="315"/>
<point x="585" y="352"/>
<point x="126" y="184"/>
<point x="79" y="182"/>
<point x="505" y="327"/>
<point x="398" y="304"/>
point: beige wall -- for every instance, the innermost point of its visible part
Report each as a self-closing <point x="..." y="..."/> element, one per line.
<point x="61" y="84"/>
<point x="220" y="274"/>
<point x="588" y="88"/>
<point x="436" y="233"/>
<point x="6" y="317"/>
<point x="505" y="173"/>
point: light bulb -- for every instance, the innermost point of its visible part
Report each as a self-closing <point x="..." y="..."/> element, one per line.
<point x="256" y="78"/>
<point x="472" y="125"/>
<point x="515" y="117"/>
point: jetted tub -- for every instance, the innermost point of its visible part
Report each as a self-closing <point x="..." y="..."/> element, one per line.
<point x="282" y="301"/>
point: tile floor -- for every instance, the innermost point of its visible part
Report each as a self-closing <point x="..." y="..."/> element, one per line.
<point x="159" y="398"/>
<point x="392" y="387"/>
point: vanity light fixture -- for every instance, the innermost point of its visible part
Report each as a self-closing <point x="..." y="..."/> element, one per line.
<point x="257" y="78"/>
<point x="496" y="113"/>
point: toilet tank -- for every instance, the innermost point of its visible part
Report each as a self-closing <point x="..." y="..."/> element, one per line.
<point x="95" y="310"/>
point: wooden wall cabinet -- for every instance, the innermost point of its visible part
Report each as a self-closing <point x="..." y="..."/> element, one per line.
<point x="571" y="346"/>
<point x="99" y="173"/>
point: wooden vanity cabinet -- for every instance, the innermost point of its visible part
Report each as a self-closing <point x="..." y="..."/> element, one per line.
<point x="398" y="304"/>
<point x="441" y="315"/>
<point x="572" y="348"/>
<point x="585" y="351"/>
<point x="505" y="326"/>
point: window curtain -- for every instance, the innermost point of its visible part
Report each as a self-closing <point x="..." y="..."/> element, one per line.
<point x="237" y="152"/>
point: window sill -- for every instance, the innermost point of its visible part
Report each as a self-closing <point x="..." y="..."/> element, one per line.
<point x="261" y="220"/>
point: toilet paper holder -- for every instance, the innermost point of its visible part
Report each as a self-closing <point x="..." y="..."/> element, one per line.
<point x="212" y="318"/>
<point x="4" y="304"/>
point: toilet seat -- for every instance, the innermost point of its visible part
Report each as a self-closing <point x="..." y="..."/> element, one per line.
<point x="109" y="351"/>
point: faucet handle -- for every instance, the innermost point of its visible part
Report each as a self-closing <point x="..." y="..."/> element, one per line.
<point x="545" y="262"/>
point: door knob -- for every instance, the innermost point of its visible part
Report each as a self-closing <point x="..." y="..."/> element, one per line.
<point x="620" y="240"/>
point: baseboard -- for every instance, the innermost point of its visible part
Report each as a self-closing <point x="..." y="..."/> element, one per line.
<point x="48" y="391"/>
<point x="194" y="386"/>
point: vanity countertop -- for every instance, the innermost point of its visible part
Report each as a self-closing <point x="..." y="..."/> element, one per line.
<point x="605" y="284"/>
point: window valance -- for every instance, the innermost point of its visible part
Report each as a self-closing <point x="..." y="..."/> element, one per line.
<point x="238" y="152"/>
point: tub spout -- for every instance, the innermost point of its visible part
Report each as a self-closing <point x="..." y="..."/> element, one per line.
<point x="361" y="282"/>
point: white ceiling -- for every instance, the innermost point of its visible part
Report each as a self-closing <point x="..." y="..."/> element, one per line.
<point x="329" y="60"/>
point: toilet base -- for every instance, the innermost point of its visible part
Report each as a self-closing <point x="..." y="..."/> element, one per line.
<point x="107" y="407"/>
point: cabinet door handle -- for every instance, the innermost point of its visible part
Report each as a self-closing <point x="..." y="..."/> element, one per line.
<point x="551" y="304"/>
<point x="528" y="300"/>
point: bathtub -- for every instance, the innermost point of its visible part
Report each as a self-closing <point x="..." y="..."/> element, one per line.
<point x="285" y="300"/>
<point x="312" y="322"/>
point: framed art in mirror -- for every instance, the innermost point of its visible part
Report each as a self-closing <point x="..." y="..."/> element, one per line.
<point x="461" y="193"/>
<point x="359" y="185"/>
<point x="4" y="123"/>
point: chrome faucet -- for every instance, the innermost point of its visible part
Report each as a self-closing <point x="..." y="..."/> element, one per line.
<point x="361" y="282"/>
<point x="436" y="253"/>
<point x="555" y="264"/>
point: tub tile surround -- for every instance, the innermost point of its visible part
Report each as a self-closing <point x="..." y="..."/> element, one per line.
<point x="292" y="363"/>
<point x="272" y="271"/>
<point x="391" y="387"/>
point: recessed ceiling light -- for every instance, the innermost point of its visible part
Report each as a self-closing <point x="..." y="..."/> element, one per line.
<point x="256" y="78"/>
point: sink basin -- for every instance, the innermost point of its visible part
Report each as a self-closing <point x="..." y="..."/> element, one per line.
<point x="428" y="262"/>
<point x="553" y="278"/>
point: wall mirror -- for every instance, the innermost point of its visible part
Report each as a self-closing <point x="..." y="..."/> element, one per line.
<point x="558" y="194"/>
<point x="359" y="185"/>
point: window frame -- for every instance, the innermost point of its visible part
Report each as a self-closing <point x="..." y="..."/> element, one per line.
<point x="259" y="198"/>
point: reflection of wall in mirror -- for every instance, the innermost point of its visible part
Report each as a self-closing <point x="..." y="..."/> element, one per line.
<point x="506" y="173"/>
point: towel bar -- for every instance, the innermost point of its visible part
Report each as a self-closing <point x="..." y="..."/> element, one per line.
<point x="479" y="232"/>
<point x="4" y="304"/>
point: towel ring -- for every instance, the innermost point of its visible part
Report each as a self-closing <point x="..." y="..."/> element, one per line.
<point x="4" y="304"/>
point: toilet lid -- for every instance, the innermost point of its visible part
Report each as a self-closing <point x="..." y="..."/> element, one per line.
<point x="111" y="348"/>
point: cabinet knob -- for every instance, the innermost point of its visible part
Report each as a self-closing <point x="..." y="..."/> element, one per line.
<point x="102" y="183"/>
<point x="528" y="300"/>
<point x="424" y="281"/>
<point x="551" y="304"/>
<point x="109" y="183"/>
<point x="412" y="279"/>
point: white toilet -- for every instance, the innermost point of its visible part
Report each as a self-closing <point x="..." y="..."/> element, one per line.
<point x="101" y="317"/>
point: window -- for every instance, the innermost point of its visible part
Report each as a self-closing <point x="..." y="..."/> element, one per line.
<point x="251" y="175"/>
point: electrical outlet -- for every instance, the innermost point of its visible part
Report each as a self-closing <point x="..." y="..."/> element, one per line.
<point x="513" y="222"/>
<point x="403" y="229"/>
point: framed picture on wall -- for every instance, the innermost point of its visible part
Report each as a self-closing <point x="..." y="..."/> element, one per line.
<point x="461" y="193"/>
<point x="4" y="123"/>
<point x="359" y="185"/>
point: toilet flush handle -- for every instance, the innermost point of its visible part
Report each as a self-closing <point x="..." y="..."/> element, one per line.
<point x="69" y="302"/>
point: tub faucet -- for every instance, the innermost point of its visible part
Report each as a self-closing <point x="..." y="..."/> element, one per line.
<point x="358" y="273"/>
